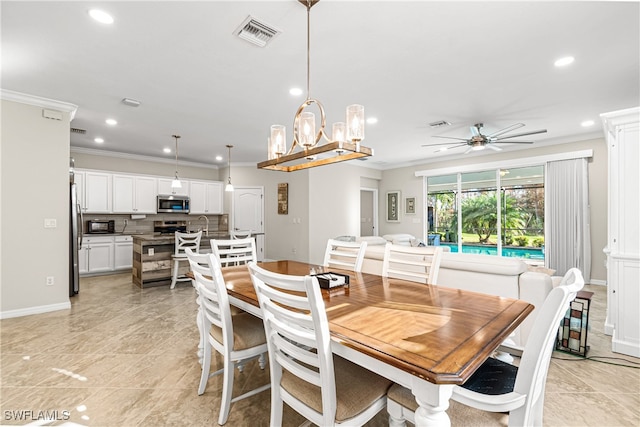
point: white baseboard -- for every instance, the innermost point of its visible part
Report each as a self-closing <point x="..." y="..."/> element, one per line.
<point x="35" y="310"/>
<point x="598" y="282"/>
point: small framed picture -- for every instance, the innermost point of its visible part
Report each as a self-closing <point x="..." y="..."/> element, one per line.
<point x="283" y="198"/>
<point x="393" y="206"/>
<point x="410" y="205"/>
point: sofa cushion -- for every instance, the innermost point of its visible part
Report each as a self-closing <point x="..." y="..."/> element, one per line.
<point x="372" y="240"/>
<point x="483" y="264"/>
<point x="399" y="239"/>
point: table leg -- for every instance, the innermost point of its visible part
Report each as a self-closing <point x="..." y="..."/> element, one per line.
<point x="433" y="401"/>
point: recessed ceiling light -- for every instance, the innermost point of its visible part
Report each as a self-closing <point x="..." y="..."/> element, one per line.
<point x="99" y="140"/>
<point x="219" y="158"/>
<point x="372" y="120"/>
<point x="111" y="122"/>
<point x="563" y="62"/>
<point x="101" y="16"/>
<point x="166" y="150"/>
<point x="295" y="91"/>
<point x="587" y="123"/>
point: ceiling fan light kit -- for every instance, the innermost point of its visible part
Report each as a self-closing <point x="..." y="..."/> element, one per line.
<point x="479" y="141"/>
<point x="343" y="145"/>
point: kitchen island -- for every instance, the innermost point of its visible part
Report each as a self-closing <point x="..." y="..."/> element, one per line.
<point x="152" y="261"/>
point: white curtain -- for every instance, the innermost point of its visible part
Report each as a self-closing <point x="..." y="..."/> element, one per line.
<point x="567" y="220"/>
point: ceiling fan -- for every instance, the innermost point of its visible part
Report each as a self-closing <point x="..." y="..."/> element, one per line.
<point x="478" y="140"/>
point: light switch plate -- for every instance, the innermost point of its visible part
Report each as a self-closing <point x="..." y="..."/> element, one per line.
<point x="50" y="223"/>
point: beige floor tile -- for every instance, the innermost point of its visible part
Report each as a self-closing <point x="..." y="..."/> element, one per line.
<point x="124" y="356"/>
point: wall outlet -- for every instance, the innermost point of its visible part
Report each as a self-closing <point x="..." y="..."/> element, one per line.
<point x="294" y="250"/>
<point x="50" y="281"/>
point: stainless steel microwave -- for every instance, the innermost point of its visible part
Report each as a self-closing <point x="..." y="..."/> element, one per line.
<point x="173" y="204"/>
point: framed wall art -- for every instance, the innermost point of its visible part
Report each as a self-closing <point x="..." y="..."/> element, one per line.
<point x="393" y="206"/>
<point x="410" y="205"/>
<point x="283" y="198"/>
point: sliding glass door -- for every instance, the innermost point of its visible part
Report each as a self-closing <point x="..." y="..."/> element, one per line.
<point x="491" y="212"/>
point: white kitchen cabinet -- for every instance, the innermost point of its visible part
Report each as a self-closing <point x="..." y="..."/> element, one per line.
<point x="123" y="250"/>
<point x="622" y="132"/>
<point x="97" y="192"/>
<point x="205" y="197"/>
<point x="97" y="254"/>
<point x="164" y="187"/>
<point x="134" y="194"/>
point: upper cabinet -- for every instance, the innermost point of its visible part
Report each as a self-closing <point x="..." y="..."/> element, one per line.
<point x="205" y="197"/>
<point x="94" y="191"/>
<point x="164" y="187"/>
<point x="134" y="194"/>
<point x="122" y="193"/>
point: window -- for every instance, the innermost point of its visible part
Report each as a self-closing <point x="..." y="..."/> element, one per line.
<point x="497" y="211"/>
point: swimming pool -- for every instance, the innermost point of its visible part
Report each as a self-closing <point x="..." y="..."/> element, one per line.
<point x="528" y="253"/>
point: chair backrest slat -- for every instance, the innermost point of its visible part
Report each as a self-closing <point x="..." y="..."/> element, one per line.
<point x="418" y="264"/>
<point x="187" y="240"/>
<point x="345" y="255"/>
<point x="234" y="251"/>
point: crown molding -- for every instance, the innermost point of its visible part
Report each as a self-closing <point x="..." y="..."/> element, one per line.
<point x="140" y="157"/>
<point x="38" y="101"/>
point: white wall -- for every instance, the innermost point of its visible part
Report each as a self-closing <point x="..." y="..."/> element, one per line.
<point x="404" y="179"/>
<point x="34" y="186"/>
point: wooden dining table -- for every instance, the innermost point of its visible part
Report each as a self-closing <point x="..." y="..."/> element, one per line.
<point x="427" y="338"/>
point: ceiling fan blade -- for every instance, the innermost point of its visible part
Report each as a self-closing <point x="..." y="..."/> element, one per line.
<point x="522" y="134"/>
<point x="449" y="148"/>
<point x="505" y="130"/>
<point x="464" y="142"/>
<point x="475" y="130"/>
<point x="493" y="147"/>
<point x="451" y="137"/>
<point x="512" y="142"/>
<point x="468" y="150"/>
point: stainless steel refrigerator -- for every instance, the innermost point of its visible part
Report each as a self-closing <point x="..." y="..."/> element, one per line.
<point x="75" y="232"/>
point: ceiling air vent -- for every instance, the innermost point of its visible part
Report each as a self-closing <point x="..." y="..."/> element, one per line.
<point x="78" y="131"/>
<point x="256" y="32"/>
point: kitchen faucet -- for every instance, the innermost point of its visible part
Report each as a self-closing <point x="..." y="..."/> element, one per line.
<point x="206" y="229"/>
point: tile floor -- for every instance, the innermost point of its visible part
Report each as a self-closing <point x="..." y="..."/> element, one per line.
<point x="123" y="356"/>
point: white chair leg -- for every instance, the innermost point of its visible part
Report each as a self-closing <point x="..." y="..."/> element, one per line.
<point x="203" y="339"/>
<point x="227" y="392"/>
<point x="276" y="407"/>
<point x="174" y="277"/>
<point x="396" y="414"/>
<point x="206" y="366"/>
<point x="240" y="366"/>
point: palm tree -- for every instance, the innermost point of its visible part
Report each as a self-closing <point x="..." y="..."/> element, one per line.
<point x="479" y="215"/>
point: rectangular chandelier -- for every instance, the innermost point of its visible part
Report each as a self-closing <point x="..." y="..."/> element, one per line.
<point x="331" y="152"/>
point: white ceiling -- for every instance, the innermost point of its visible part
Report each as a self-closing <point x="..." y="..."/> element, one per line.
<point x="409" y="63"/>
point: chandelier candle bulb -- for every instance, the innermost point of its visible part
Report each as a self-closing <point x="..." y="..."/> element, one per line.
<point x="307" y="129"/>
<point x="279" y="139"/>
<point x="338" y="132"/>
<point x="355" y="123"/>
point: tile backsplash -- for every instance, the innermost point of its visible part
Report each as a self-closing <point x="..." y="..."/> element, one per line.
<point x="145" y="225"/>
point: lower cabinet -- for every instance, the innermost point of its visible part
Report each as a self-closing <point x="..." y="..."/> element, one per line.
<point x="105" y="254"/>
<point x="123" y="252"/>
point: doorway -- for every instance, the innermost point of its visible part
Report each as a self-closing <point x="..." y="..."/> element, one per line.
<point x="368" y="212"/>
<point x="248" y="214"/>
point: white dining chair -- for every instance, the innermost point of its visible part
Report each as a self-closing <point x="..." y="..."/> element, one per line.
<point x="498" y="386"/>
<point x="238" y="338"/>
<point x="324" y="388"/>
<point x="414" y="263"/>
<point x="240" y="234"/>
<point x="183" y="241"/>
<point x="344" y="255"/>
<point x="234" y="251"/>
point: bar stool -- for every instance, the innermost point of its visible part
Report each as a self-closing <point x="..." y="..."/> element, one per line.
<point x="183" y="241"/>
